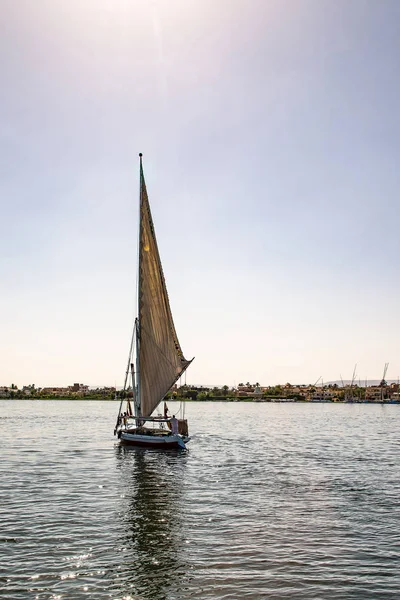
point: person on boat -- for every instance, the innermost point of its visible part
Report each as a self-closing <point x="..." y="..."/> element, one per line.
<point x="174" y="425"/>
<point x="165" y="411"/>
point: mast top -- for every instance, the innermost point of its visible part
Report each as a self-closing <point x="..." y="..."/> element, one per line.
<point x="140" y="155"/>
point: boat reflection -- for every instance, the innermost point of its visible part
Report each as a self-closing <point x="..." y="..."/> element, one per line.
<point x="152" y="533"/>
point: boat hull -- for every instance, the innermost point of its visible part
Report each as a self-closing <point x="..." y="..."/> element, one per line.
<point x="153" y="441"/>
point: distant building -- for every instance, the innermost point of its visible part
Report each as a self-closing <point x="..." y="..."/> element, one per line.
<point x="78" y="388"/>
<point x="374" y="393"/>
<point x="28" y="390"/>
<point x="5" y="391"/>
<point x="55" y="391"/>
<point x="245" y="390"/>
<point x="322" y="395"/>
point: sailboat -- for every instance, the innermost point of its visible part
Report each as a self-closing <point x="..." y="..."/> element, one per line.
<point x="156" y="360"/>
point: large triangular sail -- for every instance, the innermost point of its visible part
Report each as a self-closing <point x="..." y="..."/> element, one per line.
<point x="160" y="358"/>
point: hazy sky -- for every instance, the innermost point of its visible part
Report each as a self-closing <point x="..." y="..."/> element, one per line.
<point x="270" y="132"/>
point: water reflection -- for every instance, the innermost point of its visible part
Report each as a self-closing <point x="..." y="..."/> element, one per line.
<point x="152" y="533"/>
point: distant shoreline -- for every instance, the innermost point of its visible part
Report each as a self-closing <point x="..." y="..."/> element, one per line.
<point x="208" y="400"/>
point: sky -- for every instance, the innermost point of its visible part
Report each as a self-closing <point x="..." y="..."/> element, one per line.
<point x="270" y="133"/>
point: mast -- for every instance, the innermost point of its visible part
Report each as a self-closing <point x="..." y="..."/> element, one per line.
<point x="138" y="395"/>
<point x="138" y="411"/>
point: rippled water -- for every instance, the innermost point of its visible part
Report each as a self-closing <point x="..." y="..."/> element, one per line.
<point x="274" y="501"/>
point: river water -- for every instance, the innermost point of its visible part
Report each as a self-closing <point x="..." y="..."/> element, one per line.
<point x="278" y="501"/>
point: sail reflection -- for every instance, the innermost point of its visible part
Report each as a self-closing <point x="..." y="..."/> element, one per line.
<point x="152" y="533"/>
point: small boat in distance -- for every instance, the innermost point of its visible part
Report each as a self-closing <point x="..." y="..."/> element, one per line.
<point x="155" y="361"/>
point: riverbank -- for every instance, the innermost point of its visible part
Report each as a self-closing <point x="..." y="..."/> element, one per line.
<point x="208" y="400"/>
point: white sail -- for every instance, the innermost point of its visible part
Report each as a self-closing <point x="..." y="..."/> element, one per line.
<point x="161" y="361"/>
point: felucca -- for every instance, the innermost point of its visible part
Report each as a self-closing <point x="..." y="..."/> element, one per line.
<point x="156" y="360"/>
